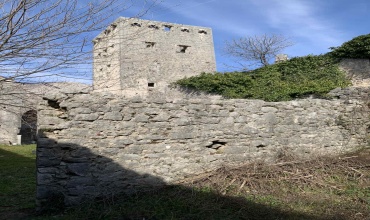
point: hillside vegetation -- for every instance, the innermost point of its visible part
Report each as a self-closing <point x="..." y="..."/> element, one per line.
<point x="357" y="48"/>
<point x="296" y="78"/>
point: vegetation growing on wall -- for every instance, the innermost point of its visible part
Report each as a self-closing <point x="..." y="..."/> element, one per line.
<point x="298" y="77"/>
<point x="358" y="47"/>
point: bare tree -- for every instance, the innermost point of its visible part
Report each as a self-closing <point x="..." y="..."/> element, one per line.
<point x="42" y="39"/>
<point x="257" y="49"/>
<point x="49" y="40"/>
<point x="53" y="37"/>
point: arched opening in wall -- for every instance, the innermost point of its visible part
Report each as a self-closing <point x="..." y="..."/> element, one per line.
<point x="28" y="127"/>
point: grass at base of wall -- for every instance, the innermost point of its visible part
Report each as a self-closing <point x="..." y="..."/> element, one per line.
<point x="324" y="188"/>
<point x="17" y="180"/>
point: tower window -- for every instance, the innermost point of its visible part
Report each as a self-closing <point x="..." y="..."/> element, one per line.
<point x="136" y="25"/>
<point x="114" y="26"/>
<point x="151" y="85"/>
<point x="153" y="26"/>
<point x="167" y="28"/>
<point x="185" y="30"/>
<point x="149" y="44"/>
<point x="202" y="31"/>
<point x="182" y="48"/>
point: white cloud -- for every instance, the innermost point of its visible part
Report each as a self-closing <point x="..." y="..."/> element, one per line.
<point x="300" y="20"/>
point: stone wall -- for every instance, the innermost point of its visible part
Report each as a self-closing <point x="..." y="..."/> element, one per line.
<point x="10" y="123"/>
<point x="358" y="70"/>
<point x="18" y="100"/>
<point x="10" y="112"/>
<point x="100" y="144"/>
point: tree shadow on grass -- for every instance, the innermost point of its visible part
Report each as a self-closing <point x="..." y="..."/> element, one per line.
<point x="93" y="186"/>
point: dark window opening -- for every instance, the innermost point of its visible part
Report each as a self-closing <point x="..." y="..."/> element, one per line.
<point x="151" y="85"/>
<point x="202" y="32"/>
<point x="153" y="26"/>
<point x="149" y="44"/>
<point x="182" y="48"/>
<point x="167" y="28"/>
<point x="185" y="30"/>
<point x="114" y="26"/>
<point x="106" y="32"/>
<point x="136" y="25"/>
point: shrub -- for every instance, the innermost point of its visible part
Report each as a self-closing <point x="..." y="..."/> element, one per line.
<point x="295" y="78"/>
<point x="358" y="47"/>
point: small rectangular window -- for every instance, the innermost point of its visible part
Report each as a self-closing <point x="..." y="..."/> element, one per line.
<point x="182" y="48"/>
<point x="151" y="85"/>
<point x="136" y="25"/>
<point x="149" y="44"/>
<point x="114" y="26"/>
<point x="185" y="29"/>
<point x="167" y="28"/>
<point x="153" y="26"/>
<point x="202" y="31"/>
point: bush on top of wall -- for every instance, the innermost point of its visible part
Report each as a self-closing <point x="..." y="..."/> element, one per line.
<point x="295" y="78"/>
<point x="358" y="48"/>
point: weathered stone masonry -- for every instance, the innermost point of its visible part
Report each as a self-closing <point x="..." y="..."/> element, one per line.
<point x="139" y="135"/>
<point x="142" y="57"/>
<point x="99" y="144"/>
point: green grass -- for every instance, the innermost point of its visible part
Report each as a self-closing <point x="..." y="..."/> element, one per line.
<point x="326" y="188"/>
<point x="17" y="178"/>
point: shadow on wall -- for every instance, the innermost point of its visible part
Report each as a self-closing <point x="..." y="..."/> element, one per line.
<point x="71" y="175"/>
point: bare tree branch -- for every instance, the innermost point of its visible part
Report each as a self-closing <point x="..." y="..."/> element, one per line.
<point x="44" y="39"/>
<point x="53" y="36"/>
<point x="257" y="49"/>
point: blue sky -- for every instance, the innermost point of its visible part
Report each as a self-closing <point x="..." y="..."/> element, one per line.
<point x="313" y="25"/>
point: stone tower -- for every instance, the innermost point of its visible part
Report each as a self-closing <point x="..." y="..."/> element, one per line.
<point x="139" y="57"/>
<point x="281" y="58"/>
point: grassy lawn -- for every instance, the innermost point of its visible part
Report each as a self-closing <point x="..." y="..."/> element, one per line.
<point x="324" y="188"/>
<point x="17" y="180"/>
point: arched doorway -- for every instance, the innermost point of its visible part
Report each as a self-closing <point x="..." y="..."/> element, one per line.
<point x="29" y="127"/>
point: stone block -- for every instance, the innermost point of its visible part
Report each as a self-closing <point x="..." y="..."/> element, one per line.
<point x="78" y="169"/>
<point x="87" y="117"/>
<point x="114" y="116"/>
